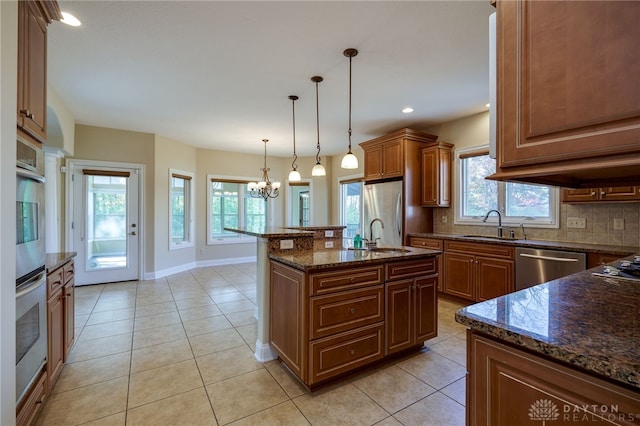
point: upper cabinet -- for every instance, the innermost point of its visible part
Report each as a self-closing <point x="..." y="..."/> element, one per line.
<point x="33" y="18"/>
<point x="436" y="175"/>
<point x="568" y="92"/>
<point x="607" y="194"/>
<point x="393" y="155"/>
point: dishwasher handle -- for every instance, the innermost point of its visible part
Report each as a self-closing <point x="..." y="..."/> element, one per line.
<point x="557" y="259"/>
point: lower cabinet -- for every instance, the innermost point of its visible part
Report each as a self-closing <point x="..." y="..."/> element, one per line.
<point x="327" y="323"/>
<point x="60" y="318"/>
<point x="434" y="244"/>
<point x="508" y="386"/>
<point x="30" y="406"/>
<point x="478" y="271"/>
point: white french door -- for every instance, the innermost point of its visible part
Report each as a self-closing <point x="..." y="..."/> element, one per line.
<point x="105" y="221"/>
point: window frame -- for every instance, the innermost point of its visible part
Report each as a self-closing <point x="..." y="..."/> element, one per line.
<point x="552" y="222"/>
<point x="342" y="181"/>
<point x="236" y="238"/>
<point x="188" y="177"/>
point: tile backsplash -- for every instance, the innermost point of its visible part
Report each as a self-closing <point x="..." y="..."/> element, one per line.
<point x="599" y="225"/>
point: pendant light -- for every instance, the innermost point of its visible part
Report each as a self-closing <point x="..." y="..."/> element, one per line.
<point x="294" y="174"/>
<point x="349" y="161"/>
<point x="318" y="169"/>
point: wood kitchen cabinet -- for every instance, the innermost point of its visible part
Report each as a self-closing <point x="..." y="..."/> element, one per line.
<point x="29" y="408"/>
<point x="477" y="271"/>
<point x="606" y="194"/>
<point x="434" y="244"/>
<point x="328" y="323"/>
<point x="436" y="175"/>
<point x="508" y="386"/>
<point x="568" y="110"/>
<point x="60" y="318"/>
<point x="33" y="18"/>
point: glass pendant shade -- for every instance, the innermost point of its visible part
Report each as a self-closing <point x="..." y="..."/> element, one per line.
<point x="294" y="176"/>
<point x="349" y="161"/>
<point x="318" y="170"/>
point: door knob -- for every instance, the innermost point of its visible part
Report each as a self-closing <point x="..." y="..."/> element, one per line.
<point x="132" y="233"/>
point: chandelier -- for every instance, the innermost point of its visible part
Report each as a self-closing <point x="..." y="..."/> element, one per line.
<point x="264" y="188"/>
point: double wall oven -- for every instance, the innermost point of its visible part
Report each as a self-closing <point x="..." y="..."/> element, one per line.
<point x="31" y="310"/>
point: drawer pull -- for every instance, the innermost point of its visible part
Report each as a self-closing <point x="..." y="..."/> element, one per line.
<point x="352" y="352"/>
<point x="351" y="279"/>
<point x="352" y="310"/>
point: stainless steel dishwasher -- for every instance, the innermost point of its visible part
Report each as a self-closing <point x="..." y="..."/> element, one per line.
<point x="536" y="266"/>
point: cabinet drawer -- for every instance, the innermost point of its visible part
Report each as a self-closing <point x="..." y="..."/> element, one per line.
<point x="55" y="281"/>
<point x="344" y="352"/>
<point x="399" y="270"/>
<point x="481" y="249"/>
<point x="31" y="404"/>
<point x="426" y="243"/>
<point x="347" y="310"/>
<point x="69" y="271"/>
<point x="325" y="282"/>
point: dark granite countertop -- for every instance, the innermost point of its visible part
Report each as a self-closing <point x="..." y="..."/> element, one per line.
<point x="269" y="231"/>
<point x="587" y="321"/>
<point x="56" y="260"/>
<point x="557" y="245"/>
<point x="325" y="259"/>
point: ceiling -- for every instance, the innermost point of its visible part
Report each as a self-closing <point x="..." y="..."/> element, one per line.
<point x="217" y="74"/>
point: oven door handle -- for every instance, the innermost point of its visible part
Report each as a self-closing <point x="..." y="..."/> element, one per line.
<point x="29" y="174"/>
<point x="32" y="285"/>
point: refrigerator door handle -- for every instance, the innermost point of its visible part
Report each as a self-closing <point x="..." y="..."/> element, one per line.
<point x="398" y="217"/>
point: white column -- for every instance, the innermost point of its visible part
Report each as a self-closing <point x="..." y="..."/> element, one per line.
<point x="263" y="296"/>
<point x="52" y="203"/>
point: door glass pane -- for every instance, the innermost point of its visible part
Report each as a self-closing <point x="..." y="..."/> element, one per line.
<point x="352" y="208"/>
<point x="106" y="227"/>
<point x="304" y="208"/>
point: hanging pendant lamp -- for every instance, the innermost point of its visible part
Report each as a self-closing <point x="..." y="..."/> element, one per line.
<point x="349" y="161"/>
<point x="318" y="169"/>
<point x="294" y="174"/>
<point x="264" y="188"/>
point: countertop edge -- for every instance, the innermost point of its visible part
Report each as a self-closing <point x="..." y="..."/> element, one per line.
<point x="55" y="260"/>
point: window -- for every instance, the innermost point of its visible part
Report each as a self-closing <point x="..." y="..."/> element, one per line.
<point x="231" y="205"/>
<point x="533" y="205"/>
<point x="351" y="206"/>
<point x="180" y="209"/>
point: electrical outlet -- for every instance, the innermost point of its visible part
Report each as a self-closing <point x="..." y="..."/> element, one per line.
<point x="576" y="222"/>
<point x="328" y="244"/>
<point x="618" y="224"/>
<point x="328" y="234"/>
<point x="443" y="219"/>
<point x="286" y="244"/>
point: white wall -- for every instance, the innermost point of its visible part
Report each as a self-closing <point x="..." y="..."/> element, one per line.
<point x="8" y="102"/>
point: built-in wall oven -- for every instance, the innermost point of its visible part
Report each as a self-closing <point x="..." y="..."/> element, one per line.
<point x="31" y="311"/>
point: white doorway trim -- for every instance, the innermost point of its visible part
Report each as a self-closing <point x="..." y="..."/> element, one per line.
<point x="72" y="165"/>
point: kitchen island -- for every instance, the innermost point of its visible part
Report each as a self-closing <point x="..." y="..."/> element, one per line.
<point x="567" y="350"/>
<point x="333" y="312"/>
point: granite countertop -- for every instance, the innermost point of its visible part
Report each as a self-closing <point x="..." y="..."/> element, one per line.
<point x="557" y="245"/>
<point x="54" y="260"/>
<point x="324" y="259"/>
<point x="269" y="231"/>
<point x="590" y="322"/>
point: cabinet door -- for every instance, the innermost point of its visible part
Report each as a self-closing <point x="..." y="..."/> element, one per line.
<point x="55" y="336"/>
<point x="579" y="195"/>
<point x="436" y="177"/>
<point x="459" y="275"/>
<point x="399" y="322"/>
<point x="494" y="277"/>
<point x="620" y="193"/>
<point x="392" y="159"/>
<point x="32" y="103"/>
<point x="425" y="308"/>
<point x="69" y="317"/>
<point x="507" y="387"/>
<point x="568" y="89"/>
<point x="373" y="162"/>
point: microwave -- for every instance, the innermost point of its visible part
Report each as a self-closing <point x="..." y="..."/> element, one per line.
<point x="30" y="156"/>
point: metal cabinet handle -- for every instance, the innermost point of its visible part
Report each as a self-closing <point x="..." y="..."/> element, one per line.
<point x="352" y="352"/>
<point x="352" y="311"/>
<point x="26" y="113"/>
<point x="593" y="193"/>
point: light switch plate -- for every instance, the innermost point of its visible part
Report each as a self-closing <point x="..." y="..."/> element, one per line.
<point x="328" y="234"/>
<point x="328" y="244"/>
<point x="576" y="222"/>
<point x="618" y="224"/>
<point x="286" y="244"/>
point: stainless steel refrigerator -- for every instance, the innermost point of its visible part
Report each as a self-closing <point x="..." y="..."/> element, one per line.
<point x="384" y="201"/>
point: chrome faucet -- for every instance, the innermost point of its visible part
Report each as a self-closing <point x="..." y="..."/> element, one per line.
<point x="486" y="216"/>
<point x="372" y="242"/>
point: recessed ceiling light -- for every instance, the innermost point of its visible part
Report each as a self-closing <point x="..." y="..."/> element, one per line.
<point x="70" y="20"/>
<point x="407" y="110"/>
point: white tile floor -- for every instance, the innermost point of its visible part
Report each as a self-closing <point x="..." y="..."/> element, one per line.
<point x="179" y="351"/>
